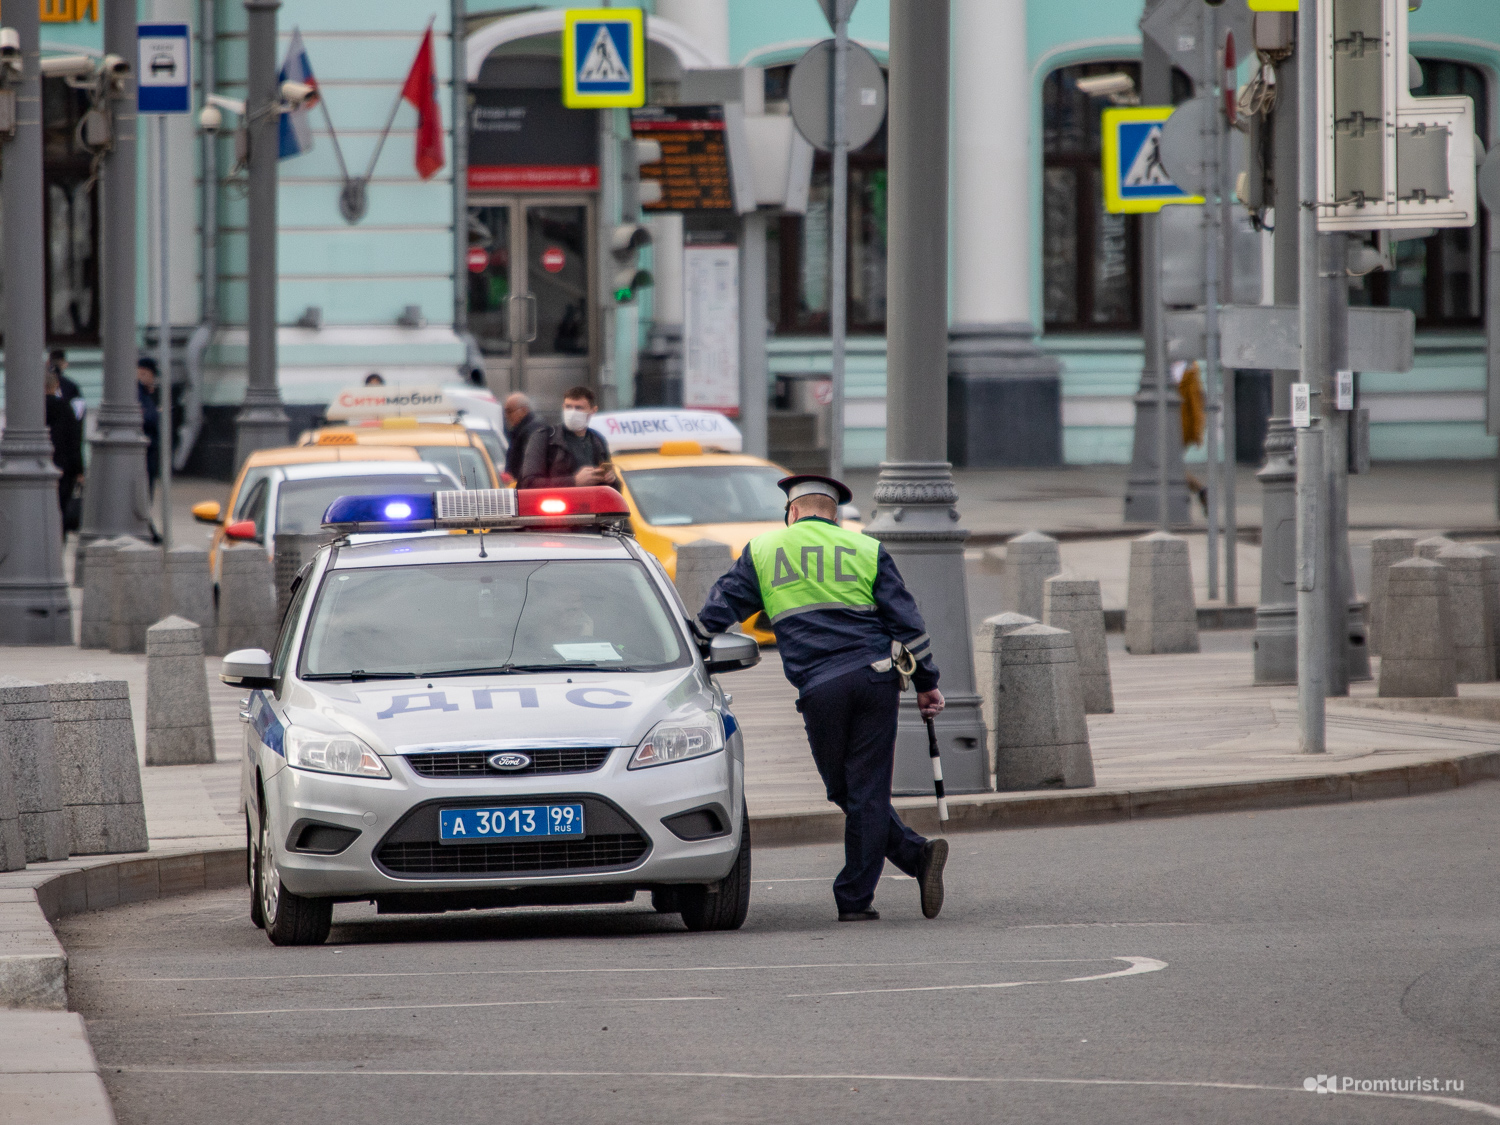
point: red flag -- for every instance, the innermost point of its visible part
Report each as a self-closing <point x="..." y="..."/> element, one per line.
<point x="421" y="91"/>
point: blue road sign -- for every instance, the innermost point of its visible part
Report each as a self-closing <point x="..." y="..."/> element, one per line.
<point x="1135" y="179"/>
<point x="604" y="58"/>
<point x="164" y="82"/>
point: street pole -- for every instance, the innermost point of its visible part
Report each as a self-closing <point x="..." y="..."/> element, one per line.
<point x="838" y="242"/>
<point x="1212" y="239"/>
<point x="164" y="341"/>
<point x="117" y="495"/>
<point x="34" y="607"/>
<point x="261" y="422"/>
<point x="1312" y="594"/>
<point x="1333" y="291"/>
<point x="916" y="517"/>
<point x="1227" y="376"/>
<point x="753" y="373"/>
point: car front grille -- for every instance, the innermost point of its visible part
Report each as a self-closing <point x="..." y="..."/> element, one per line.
<point x="475" y="763"/>
<point x="522" y="857"/>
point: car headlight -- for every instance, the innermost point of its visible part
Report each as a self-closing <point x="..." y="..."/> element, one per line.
<point x="676" y="740"/>
<point x="331" y="753"/>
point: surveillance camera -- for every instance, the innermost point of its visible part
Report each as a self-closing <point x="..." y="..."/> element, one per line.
<point x="210" y="118"/>
<point x="115" y="66"/>
<point x="1103" y="85"/>
<point x="10" y="43"/>
<point x="67" y="66"/>
<point x="298" y="94"/>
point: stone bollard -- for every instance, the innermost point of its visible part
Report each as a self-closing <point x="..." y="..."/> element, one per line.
<point x="26" y="730"/>
<point x="1385" y="551"/>
<point x="96" y="760"/>
<point x="1074" y="604"/>
<point x="987" y="659"/>
<point x="99" y="591"/>
<point x="292" y="553"/>
<point x="179" y="725"/>
<point x="136" y="593"/>
<point x="1041" y="735"/>
<point x="247" y="600"/>
<point x="1030" y="560"/>
<point x="1492" y="599"/>
<point x="1432" y="546"/>
<point x="1469" y="613"/>
<point x="1160" y="614"/>
<point x="700" y="564"/>
<point x="1418" y="661"/>
<point x="12" y="843"/>
<point x="191" y="587"/>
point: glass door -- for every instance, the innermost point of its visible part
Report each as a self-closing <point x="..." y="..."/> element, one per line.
<point x="491" y="293"/>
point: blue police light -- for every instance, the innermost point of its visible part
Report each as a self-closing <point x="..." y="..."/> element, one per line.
<point x="398" y="510"/>
<point x="381" y="513"/>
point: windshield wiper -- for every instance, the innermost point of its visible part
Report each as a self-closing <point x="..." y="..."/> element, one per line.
<point x="515" y="669"/>
<point x="360" y="674"/>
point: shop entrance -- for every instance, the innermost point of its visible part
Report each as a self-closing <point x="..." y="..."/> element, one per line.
<point x="531" y="301"/>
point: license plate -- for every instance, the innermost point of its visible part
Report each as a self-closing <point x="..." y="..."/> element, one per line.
<point x="458" y="826"/>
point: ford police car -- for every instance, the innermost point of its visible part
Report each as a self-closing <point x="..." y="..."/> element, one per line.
<point x="519" y="716"/>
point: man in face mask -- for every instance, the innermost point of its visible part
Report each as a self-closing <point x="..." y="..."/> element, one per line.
<point x="572" y="454"/>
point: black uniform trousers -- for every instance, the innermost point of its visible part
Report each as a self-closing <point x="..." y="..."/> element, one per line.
<point x="851" y="726"/>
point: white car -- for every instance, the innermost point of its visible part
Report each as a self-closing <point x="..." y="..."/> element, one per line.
<point x="468" y="721"/>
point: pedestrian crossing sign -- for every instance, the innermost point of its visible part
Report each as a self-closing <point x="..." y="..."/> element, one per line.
<point x="604" y="58"/>
<point x="1135" y="181"/>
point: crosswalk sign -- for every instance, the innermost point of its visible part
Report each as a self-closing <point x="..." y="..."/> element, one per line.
<point x="1135" y="180"/>
<point x="604" y="58"/>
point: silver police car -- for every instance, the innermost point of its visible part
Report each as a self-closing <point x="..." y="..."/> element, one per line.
<point x="521" y="715"/>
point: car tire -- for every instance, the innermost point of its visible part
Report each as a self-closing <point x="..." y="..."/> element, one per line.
<point x="722" y="905"/>
<point x="252" y="876"/>
<point x="289" y="919"/>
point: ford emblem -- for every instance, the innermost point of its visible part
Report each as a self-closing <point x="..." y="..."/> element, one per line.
<point x="509" y="761"/>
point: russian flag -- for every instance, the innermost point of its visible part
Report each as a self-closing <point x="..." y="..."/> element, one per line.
<point x="296" y="131"/>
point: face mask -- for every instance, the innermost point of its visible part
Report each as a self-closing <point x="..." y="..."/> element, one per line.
<point x="575" y="420"/>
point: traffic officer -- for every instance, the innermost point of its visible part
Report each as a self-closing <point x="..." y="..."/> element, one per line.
<point x="840" y="612"/>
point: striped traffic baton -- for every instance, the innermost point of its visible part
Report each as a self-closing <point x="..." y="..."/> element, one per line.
<point x="937" y="772"/>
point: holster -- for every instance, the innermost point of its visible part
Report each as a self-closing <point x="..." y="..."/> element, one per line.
<point x="901" y="660"/>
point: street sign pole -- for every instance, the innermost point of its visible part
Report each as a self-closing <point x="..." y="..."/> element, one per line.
<point x="164" y="343"/>
<point x="1227" y="402"/>
<point x="838" y="243"/>
<point x="1212" y="238"/>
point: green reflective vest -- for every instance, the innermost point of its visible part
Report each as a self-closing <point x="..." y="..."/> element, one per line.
<point x="814" y="565"/>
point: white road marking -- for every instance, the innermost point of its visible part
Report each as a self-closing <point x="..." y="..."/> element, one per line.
<point x="1468" y="1105"/>
<point x="1136" y="966"/>
<point x="1102" y="925"/>
<point x="422" y="1007"/>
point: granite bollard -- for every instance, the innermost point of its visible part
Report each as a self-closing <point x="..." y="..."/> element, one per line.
<point x="1041" y="734"/>
<point x="1429" y="547"/>
<point x="26" y="730"/>
<point x="1492" y="599"/>
<point x="191" y="586"/>
<point x="179" y="724"/>
<point x="96" y="761"/>
<point x="247" y="599"/>
<point x="700" y="564"/>
<point x="1469" y="613"/>
<point x="1385" y="551"/>
<point x="987" y="660"/>
<point x="1074" y="604"/>
<point x="12" y="843"/>
<point x="99" y="591"/>
<point x="1030" y="559"/>
<point x="1418" y="660"/>
<point x="1160" y="614"/>
<point x="137" y="595"/>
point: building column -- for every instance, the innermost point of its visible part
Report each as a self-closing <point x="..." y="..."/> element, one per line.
<point x="1005" y="393"/>
<point x="706" y="20"/>
<point x="658" y="380"/>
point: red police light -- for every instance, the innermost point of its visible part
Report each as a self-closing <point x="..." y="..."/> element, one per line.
<point x="594" y="504"/>
<point x="553" y="506"/>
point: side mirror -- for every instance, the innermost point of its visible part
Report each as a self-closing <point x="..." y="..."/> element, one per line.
<point x="242" y="529"/>
<point x="729" y="652"/>
<point x="247" y="668"/>
<point x="208" y="511"/>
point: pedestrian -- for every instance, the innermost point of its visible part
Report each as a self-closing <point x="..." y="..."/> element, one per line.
<point x="374" y="379"/>
<point x="145" y="394"/>
<point x="57" y="360"/>
<point x="842" y="617"/>
<point x="570" y="454"/>
<point x="1194" y="419"/>
<point x="521" y="424"/>
<point x="66" y="430"/>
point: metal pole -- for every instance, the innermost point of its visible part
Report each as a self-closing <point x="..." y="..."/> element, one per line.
<point x="1156" y="324"/>
<point x="459" y="116"/>
<point x="753" y="374"/>
<point x="1212" y="237"/>
<point x="34" y="605"/>
<point x="1312" y="597"/>
<point x="117" y="495"/>
<point x="838" y="242"/>
<point x="164" y="341"/>
<point x="1333" y="293"/>
<point x="261" y="422"/>
<point x="1227" y="375"/>
<point x="916" y="516"/>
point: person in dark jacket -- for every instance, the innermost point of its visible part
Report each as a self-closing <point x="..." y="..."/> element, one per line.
<point x="66" y="430"/>
<point x="145" y="394"/>
<point x="571" y="454"/>
<point x="839" y="608"/>
<point x="521" y="425"/>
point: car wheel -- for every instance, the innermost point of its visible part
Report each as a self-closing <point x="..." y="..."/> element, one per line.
<point x="289" y="919"/>
<point x="722" y="905"/>
<point x="252" y="876"/>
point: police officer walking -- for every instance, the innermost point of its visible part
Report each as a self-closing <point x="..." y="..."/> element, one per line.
<point x="844" y="621"/>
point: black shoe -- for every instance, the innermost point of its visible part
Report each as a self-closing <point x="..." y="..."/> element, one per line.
<point x="859" y="915"/>
<point x="930" y="876"/>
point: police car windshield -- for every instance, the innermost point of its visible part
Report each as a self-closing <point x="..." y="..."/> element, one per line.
<point x="697" y="494"/>
<point x="300" y="504"/>
<point x="473" y="617"/>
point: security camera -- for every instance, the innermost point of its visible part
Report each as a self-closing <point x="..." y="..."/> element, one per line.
<point x="233" y="105"/>
<point x="210" y="118"/>
<point x="298" y="94"/>
<point x="10" y="43"/>
<point x="67" y="66"/>
<point x="114" y="66"/>
<point x="1103" y="85"/>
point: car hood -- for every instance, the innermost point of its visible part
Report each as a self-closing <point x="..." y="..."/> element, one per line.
<point x="500" y="712"/>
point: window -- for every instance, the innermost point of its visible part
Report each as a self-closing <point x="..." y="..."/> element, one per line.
<point x="1090" y="258"/>
<point x="1441" y="278"/>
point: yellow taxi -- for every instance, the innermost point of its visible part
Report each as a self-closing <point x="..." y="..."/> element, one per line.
<point x="457" y="448"/>
<point x="684" y="478"/>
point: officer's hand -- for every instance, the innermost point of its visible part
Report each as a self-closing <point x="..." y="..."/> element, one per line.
<point x="929" y="702"/>
<point x="588" y="475"/>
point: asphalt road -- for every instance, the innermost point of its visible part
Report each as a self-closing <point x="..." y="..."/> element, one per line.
<point x="1187" y="970"/>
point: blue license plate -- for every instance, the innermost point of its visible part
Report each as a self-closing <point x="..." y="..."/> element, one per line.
<point x="458" y="826"/>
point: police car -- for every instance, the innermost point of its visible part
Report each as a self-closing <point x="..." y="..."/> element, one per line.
<point x="518" y="716"/>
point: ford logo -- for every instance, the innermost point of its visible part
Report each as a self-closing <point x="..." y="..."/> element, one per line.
<point x="509" y="761"/>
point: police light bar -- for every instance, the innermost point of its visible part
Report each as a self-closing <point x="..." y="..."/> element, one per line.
<point x="477" y="509"/>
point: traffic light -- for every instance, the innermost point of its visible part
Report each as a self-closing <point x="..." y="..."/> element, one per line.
<point x="1386" y="160"/>
<point x="635" y="192"/>
<point x="626" y="277"/>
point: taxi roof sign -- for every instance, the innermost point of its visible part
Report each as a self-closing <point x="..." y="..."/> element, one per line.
<point x="626" y="431"/>
<point x="604" y="58"/>
<point x="413" y="401"/>
<point x="1135" y="180"/>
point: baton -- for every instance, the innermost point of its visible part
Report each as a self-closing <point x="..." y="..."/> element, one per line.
<point x="937" y="772"/>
